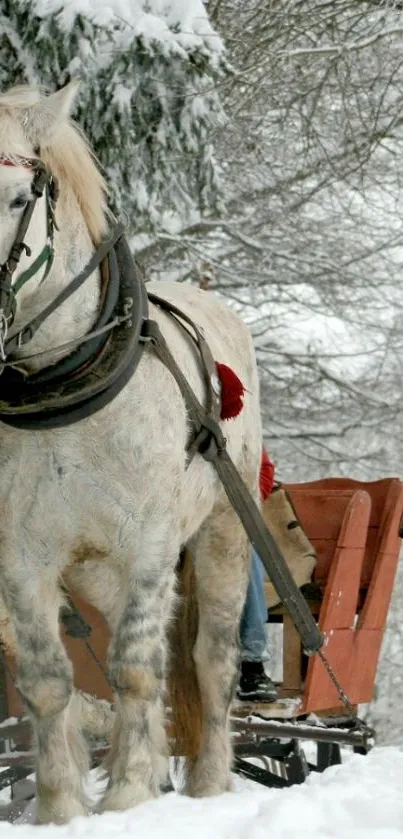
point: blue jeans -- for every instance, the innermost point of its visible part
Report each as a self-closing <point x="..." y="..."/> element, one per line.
<point x="254" y="617"/>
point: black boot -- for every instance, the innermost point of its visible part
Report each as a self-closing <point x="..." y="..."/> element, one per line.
<point x="254" y="684"/>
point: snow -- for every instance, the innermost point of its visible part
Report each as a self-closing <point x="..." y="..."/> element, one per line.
<point x="362" y="799"/>
<point x="183" y="22"/>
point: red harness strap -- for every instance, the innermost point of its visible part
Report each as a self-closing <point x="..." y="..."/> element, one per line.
<point x="24" y="162"/>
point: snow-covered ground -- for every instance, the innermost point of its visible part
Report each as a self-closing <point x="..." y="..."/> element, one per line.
<point x="362" y="799"/>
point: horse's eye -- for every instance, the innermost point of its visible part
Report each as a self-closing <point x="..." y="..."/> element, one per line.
<point x="19" y="202"/>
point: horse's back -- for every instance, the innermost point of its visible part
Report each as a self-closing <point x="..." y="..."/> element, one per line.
<point x="228" y="337"/>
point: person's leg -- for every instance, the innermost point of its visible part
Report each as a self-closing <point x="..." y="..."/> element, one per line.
<point x="254" y="617"/>
<point x="254" y="684"/>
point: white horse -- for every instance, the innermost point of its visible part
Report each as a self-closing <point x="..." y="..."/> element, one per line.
<point x="107" y="503"/>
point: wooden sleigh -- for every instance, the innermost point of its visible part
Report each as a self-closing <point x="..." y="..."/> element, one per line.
<point x="355" y="528"/>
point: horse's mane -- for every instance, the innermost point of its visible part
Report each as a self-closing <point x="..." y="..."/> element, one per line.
<point x="68" y="155"/>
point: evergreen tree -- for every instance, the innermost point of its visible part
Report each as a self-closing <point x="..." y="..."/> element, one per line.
<point x="147" y="102"/>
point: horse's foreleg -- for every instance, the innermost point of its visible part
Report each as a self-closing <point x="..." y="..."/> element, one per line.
<point x="221" y="558"/>
<point x="138" y="762"/>
<point x="45" y="680"/>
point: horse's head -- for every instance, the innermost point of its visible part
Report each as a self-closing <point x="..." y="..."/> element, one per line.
<point x="39" y="148"/>
<point x="29" y="126"/>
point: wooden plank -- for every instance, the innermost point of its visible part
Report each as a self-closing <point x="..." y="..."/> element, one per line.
<point x="378" y="490"/>
<point x="325" y="549"/>
<point x="376" y="604"/>
<point x="292" y="651"/>
<point x="353" y="656"/>
<point x="367" y="646"/>
<point x="320" y="693"/>
<point x="341" y="593"/>
<point x="339" y="604"/>
<point x="320" y="512"/>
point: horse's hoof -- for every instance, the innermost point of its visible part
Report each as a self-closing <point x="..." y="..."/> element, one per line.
<point x="124" y="796"/>
<point x="207" y="789"/>
<point x="58" y="810"/>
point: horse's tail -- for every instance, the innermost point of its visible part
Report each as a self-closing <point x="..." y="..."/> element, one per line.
<point x="185" y="700"/>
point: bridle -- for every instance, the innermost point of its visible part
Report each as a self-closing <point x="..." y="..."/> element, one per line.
<point x="43" y="182"/>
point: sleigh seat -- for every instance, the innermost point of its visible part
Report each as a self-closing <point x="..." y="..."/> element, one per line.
<point x="355" y="528"/>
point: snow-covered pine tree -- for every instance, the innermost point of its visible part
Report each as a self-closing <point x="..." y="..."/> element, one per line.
<point x="148" y="100"/>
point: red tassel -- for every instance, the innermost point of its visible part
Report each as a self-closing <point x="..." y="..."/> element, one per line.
<point x="232" y="391"/>
<point x="266" y="477"/>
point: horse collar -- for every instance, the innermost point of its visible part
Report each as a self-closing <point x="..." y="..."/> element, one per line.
<point x="91" y="376"/>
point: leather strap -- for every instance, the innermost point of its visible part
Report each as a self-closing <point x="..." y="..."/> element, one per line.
<point x="212" y="447"/>
<point x="27" y="333"/>
<point x="208" y="365"/>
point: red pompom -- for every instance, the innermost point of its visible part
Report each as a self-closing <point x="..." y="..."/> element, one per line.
<point x="266" y="477"/>
<point x="232" y="391"/>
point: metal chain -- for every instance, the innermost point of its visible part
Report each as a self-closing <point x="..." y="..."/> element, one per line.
<point x="360" y="724"/>
<point x="80" y="629"/>
<point x="341" y="693"/>
<point x="98" y="662"/>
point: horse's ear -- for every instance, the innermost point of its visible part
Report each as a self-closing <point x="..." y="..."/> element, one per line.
<point x="60" y="104"/>
<point x="45" y="119"/>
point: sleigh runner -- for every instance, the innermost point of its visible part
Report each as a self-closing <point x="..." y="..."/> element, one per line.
<point x="144" y="480"/>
